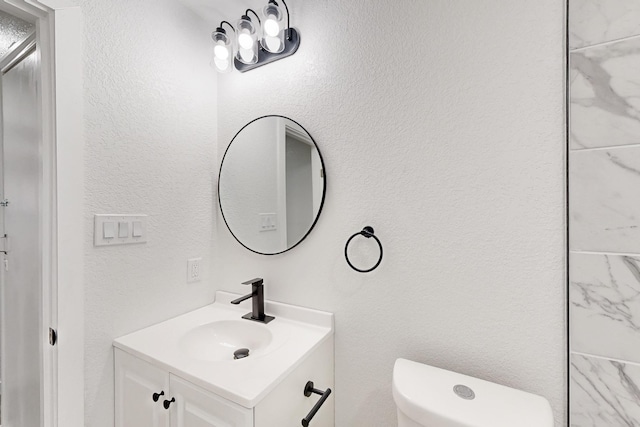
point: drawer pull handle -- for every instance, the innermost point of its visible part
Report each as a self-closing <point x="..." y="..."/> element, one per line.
<point x="167" y="403"/>
<point x="308" y="390"/>
<point x="156" y="396"/>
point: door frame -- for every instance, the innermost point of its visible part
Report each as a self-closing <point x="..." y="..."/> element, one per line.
<point x="59" y="47"/>
<point x="17" y="53"/>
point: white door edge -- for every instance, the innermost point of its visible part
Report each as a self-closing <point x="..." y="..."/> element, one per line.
<point x="58" y="39"/>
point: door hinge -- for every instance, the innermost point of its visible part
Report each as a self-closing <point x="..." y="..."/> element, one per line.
<point x="4" y="244"/>
<point x="53" y="336"/>
<point x="4" y="203"/>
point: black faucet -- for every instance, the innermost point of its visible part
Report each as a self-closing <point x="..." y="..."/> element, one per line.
<point x="257" y="293"/>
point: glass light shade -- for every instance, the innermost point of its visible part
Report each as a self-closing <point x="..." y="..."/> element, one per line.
<point x="222" y="52"/>
<point x="247" y="42"/>
<point x="272" y="29"/>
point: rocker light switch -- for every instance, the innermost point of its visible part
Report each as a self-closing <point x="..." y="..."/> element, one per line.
<point x="123" y="229"/>
<point x="137" y="228"/>
<point x="108" y="230"/>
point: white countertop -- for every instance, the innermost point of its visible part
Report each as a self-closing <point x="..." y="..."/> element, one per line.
<point x="296" y="332"/>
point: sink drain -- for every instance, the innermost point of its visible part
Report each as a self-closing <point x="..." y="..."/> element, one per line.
<point x="464" y="392"/>
<point x="241" y="353"/>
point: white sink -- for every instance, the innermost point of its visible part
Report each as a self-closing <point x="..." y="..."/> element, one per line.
<point x="198" y="346"/>
<point x="217" y="341"/>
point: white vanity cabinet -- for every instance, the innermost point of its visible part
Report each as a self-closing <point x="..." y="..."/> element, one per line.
<point x="195" y="407"/>
<point x="182" y="373"/>
<point x="135" y="384"/>
<point x="138" y="383"/>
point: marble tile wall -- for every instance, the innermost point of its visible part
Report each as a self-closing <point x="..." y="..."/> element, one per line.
<point x="604" y="392"/>
<point x="605" y="304"/>
<point x="604" y="212"/>
<point x="604" y="204"/>
<point x="605" y="84"/>
<point x="600" y="21"/>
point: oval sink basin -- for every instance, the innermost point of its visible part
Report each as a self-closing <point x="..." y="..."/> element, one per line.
<point x="217" y="341"/>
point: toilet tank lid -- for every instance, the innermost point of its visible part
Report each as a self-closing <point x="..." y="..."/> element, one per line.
<point x="426" y="394"/>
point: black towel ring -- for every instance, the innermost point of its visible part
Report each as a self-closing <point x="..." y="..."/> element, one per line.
<point x="366" y="232"/>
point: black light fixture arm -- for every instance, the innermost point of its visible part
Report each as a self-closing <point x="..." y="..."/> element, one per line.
<point x="286" y="8"/>
<point x="288" y="16"/>
<point x="227" y="22"/>
<point x="246" y="13"/>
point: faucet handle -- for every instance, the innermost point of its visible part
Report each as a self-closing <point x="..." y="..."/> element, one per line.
<point x="254" y="282"/>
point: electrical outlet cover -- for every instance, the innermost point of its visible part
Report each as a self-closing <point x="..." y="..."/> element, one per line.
<point x="193" y="270"/>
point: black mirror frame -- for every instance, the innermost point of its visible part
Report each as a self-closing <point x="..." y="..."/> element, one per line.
<point x="324" y="190"/>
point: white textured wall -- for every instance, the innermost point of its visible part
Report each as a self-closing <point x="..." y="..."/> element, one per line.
<point x="150" y="148"/>
<point x="441" y="125"/>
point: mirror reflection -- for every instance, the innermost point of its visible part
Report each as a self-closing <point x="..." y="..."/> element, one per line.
<point x="272" y="184"/>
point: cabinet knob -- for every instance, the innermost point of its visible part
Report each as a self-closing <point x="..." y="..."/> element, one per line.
<point x="156" y="396"/>
<point x="167" y="403"/>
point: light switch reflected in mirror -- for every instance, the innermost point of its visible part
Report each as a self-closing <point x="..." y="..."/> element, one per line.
<point x="272" y="185"/>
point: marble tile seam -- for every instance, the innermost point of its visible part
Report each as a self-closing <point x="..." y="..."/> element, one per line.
<point x="608" y="147"/>
<point x="602" y="44"/>
<point x="609" y="359"/>
<point x="579" y="252"/>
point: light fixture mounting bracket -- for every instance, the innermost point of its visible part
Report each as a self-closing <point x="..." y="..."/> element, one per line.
<point x="291" y="44"/>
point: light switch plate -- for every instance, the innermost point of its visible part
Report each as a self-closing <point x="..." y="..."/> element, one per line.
<point x="268" y="222"/>
<point x="120" y="224"/>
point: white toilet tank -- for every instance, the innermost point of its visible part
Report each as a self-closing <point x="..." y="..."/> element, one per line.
<point x="433" y="397"/>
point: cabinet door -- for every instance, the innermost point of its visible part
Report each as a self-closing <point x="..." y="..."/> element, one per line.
<point x="196" y="407"/>
<point x="286" y="405"/>
<point x="136" y="383"/>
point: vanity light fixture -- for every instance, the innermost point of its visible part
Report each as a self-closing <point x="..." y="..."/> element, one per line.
<point x="222" y="49"/>
<point x="273" y="29"/>
<point x="247" y="35"/>
<point x="255" y="46"/>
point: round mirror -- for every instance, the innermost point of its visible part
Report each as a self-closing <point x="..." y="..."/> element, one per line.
<point x="271" y="185"/>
